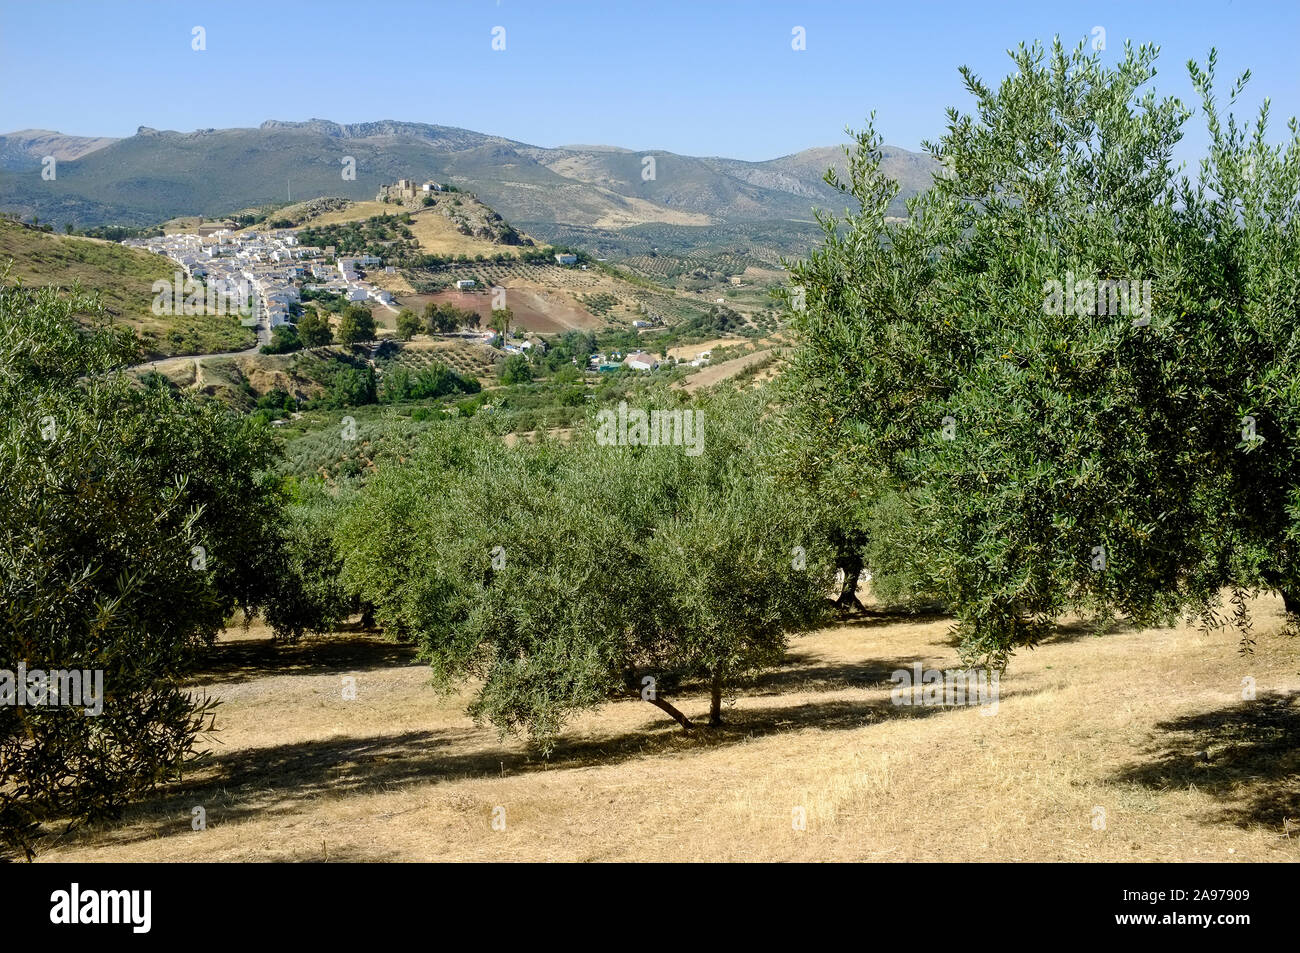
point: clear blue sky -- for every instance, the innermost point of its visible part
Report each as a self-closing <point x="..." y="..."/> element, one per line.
<point x="702" y="78"/>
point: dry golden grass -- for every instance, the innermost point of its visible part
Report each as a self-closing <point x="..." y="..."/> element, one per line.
<point x="1114" y="721"/>
<point x="438" y="236"/>
<point x="713" y="373"/>
<point x="355" y="212"/>
<point x="689" y="352"/>
<point x="435" y="232"/>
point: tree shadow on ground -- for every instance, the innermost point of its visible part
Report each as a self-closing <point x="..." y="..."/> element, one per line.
<point x="1253" y="766"/>
<point x="874" y="617"/>
<point x="278" y="780"/>
<point x="802" y="674"/>
<point x="229" y="663"/>
<point x="1064" y="632"/>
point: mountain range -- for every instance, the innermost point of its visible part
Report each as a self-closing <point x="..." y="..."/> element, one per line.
<point x="156" y="175"/>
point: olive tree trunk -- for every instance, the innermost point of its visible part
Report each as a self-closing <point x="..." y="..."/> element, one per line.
<point x="672" y="711"/>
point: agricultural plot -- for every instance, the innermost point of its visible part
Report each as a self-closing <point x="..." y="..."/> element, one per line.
<point x="467" y="358"/>
<point x="314" y="449"/>
<point x="663" y="253"/>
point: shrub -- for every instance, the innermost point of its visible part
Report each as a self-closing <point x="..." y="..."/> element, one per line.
<point x="314" y="330"/>
<point x="356" y="326"/>
<point x="283" y="340"/>
<point x="515" y="370"/>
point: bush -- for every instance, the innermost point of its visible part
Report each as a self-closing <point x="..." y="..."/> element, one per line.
<point x="309" y="595"/>
<point x="283" y="340"/>
<point x="431" y="382"/>
<point x="314" y="330"/>
<point x="353" y="387"/>
<point x="408" y="324"/>
<point x="515" y="370"/>
<point x="356" y="326"/>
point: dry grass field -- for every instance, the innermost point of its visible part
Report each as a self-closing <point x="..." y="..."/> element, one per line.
<point x="1149" y="726"/>
<point x="355" y="212"/>
<point x="713" y="373"/>
<point x="438" y="236"/>
<point x="689" y="352"/>
<point x="542" y="310"/>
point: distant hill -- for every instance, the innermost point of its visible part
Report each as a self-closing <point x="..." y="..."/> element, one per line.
<point x="157" y="175"/>
<point x="19" y="149"/>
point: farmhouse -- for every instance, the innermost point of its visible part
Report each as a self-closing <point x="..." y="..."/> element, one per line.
<point x="641" y="361"/>
<point x="566" y="259"/>
<point x="527" y="344"/>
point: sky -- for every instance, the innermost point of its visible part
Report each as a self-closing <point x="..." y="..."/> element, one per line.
<point x="699" y="78"/>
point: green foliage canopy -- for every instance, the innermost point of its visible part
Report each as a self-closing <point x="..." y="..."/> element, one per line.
<point x="1035" y="447"/>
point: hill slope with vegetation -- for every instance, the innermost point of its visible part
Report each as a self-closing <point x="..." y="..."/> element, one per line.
<point x="155" y="175"/>
<point x="123" y="279"/>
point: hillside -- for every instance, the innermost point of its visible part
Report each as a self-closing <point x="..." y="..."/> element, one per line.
<point x="156" y="175"/>
<point x="124" y="278"/>
<point x="19" y="149"/>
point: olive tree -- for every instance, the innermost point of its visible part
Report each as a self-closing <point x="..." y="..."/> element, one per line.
<point x="562" y="575"/>
<point x="1067" y="380"/>
<point x="132" y="522"/>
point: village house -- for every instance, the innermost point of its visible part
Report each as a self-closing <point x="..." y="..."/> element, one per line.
<point x="641" y="361"/>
